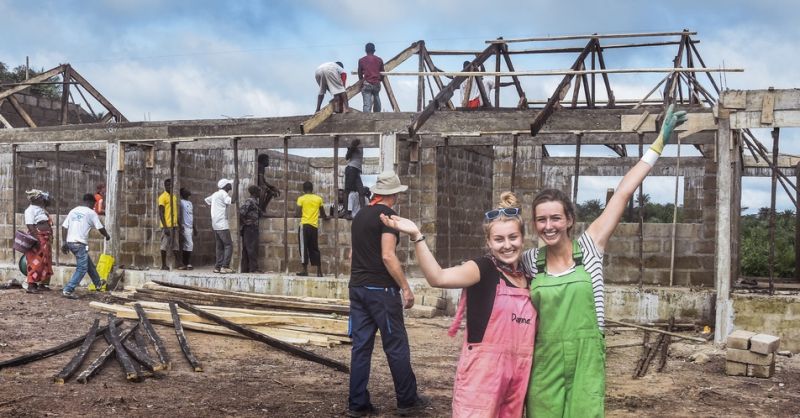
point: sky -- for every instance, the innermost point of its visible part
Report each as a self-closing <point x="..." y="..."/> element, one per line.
<point x="204" y="59"/>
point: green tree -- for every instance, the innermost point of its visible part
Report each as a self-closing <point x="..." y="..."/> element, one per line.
<point x="17" y="75"/>
<point x="755" y="244"/>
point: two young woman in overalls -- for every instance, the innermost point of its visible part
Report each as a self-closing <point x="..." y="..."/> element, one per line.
<point x="495" y="362"/>
<point x="568" y="374"/>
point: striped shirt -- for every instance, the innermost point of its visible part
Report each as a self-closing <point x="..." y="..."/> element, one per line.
<point x="592" y="262"/>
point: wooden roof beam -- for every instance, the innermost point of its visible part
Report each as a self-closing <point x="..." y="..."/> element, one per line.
<point x="593" y="36"/>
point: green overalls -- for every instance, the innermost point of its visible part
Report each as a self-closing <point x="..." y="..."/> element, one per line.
<point x="568" y="374"/>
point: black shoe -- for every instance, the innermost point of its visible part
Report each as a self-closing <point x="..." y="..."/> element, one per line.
<point x="31" y="288"/>
<point x="43" y="287"/>
<point x="370" y="410"/>
<point x="303" y="273"/>
<point x="70" y="295"/>
<point x="421" y="403"/>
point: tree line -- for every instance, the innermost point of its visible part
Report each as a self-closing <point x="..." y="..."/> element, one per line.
<point x="754" y="230"/>
<point x="17" y="75"/>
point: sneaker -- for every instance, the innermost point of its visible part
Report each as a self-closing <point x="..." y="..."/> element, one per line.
<point x="189" y="267"/>
<point x="31" y="288"/>
<point x="303" y="273"/>
<point x="216" y="269"/>
<point x="421" y="403"/>
<point x="69" y="295"/>
<point x="370" y="410"/>
<point x="225" y="270"/>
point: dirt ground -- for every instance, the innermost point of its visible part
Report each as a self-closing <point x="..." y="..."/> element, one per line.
<point x="246" y="378"/>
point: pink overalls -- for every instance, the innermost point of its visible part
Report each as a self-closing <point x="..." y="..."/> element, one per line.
<point x="492" y="376"/>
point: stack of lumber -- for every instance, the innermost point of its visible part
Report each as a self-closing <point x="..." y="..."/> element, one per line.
<point x="158" y="291"/>
<point x="751" y="354"/>
<point x="302" y="328"/>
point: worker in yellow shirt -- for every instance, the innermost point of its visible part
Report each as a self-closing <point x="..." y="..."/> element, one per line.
<point x="168" y="220"/>
<point x="310" y="208"/>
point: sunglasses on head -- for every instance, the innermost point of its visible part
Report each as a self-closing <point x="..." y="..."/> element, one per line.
<point x="495" y="213"/>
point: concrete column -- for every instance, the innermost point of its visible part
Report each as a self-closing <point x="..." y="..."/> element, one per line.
<point x="389" y="152"/>
<point x="724" y="314"/>
<point x="112" y="196"/>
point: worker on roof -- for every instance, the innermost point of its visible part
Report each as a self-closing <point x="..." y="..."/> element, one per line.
<point x="332" y="77"/>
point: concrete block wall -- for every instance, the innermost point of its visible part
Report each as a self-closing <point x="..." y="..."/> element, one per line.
<point x="527" y="181"/>
<point x="79" y="173"/>
<point x="467" y="181"/>
<point x="777" y="315"/>
<point x="43" y="111"/>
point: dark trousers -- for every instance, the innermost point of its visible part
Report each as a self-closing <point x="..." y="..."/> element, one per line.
<point x="309" y="245"/>
<point x="372" y="309"/>
<point x="249" y="248"/>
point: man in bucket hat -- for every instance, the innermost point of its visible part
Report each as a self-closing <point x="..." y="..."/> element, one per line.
<point x="378" y="293"/>
<point x="219" y="202"/>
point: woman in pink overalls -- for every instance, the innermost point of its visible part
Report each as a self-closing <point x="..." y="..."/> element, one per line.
<point x="496" y="357"/>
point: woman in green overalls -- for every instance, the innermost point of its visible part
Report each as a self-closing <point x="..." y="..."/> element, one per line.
<point x="568" y="375"/>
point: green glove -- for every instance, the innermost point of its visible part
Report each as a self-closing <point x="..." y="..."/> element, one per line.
<point x="671" y="120"/>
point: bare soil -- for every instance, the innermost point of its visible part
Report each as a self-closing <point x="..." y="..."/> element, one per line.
<point x="246" y="378"/>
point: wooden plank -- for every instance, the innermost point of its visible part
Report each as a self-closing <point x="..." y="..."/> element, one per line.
<point x="139" y="354"/>
<point x="767" y="109"/>
<point x="541" y="117"/>
<point x="390" y="93"/>
<point x="785" y="99"/>
<point x="436" y="79"/>
<point x="182" y="341"/>
<point x="311" y="123"/>
<point x="32" y="81"/>
<point x="48" y="352"/>
<point x="163" y="356"/>
<point x="65" y="76"/>
<point x="85" y="375"/>
<point x="21" y="112"/>
<point x="4" y="121"/>
<point x="159" y="284"/>
<point x="593" y="36"/>
<point x="296" y="351"/>
<point x="651" y="329"/>
<point x="781" y="119"/>
<point x="601" y="61"/>
<point x="122" y="355"/>
<point x="558" y="50"/>
<point x="695" y="122"/>
<point x="77" y="360"/>
<point x="118" y="116"/>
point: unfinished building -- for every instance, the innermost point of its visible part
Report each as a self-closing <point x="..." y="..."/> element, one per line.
<point x="456" y="162"/>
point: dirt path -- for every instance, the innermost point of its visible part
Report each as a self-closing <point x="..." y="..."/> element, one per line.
<point x="245" y="378"/>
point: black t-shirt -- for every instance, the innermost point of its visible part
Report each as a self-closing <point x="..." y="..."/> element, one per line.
<point x="367" y="267"/>
<point x="480" y="299"/>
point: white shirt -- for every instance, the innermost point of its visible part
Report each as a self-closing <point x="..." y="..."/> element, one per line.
<point x="219" y="202"/>
<point x="187" y="213"/>
<point x="35" y="214"/>
<point x="79" y="222"/>
<point x="475" y="92"/>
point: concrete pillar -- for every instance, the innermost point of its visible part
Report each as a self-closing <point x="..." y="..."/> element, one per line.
<point x="725" y="154"/>
<point x="112" y="195"/>
<point x="388" y="146"/>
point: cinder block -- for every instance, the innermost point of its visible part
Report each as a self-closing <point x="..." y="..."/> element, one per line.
<point x="740" y="339"/>
<point x="764" y="344"/>
<point x="744" y="356"/>
<point x="763" y="372"/>
<point x="733" y="368"/>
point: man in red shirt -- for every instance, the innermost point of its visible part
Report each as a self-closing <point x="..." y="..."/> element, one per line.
<point x="100" y="199"/>
<point x="370" y="67"/>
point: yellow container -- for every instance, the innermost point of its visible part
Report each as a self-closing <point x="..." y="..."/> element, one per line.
<point x="104" y="265"/>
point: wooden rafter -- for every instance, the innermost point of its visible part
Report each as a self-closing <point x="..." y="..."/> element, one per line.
<point x="446" y="93"/>
<point x="549" y="108"/>
<point x="118" y="116"/>
<point x="32" y="81"/>
<point x="426" y="59"/>
<point x="522" y="98"/>
<point x="390" y="93"/>
<point x="21" y="112"/>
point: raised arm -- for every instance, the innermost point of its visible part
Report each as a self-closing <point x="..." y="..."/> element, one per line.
<point x="601" y="229"/>
<point x="460" y="276"/>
